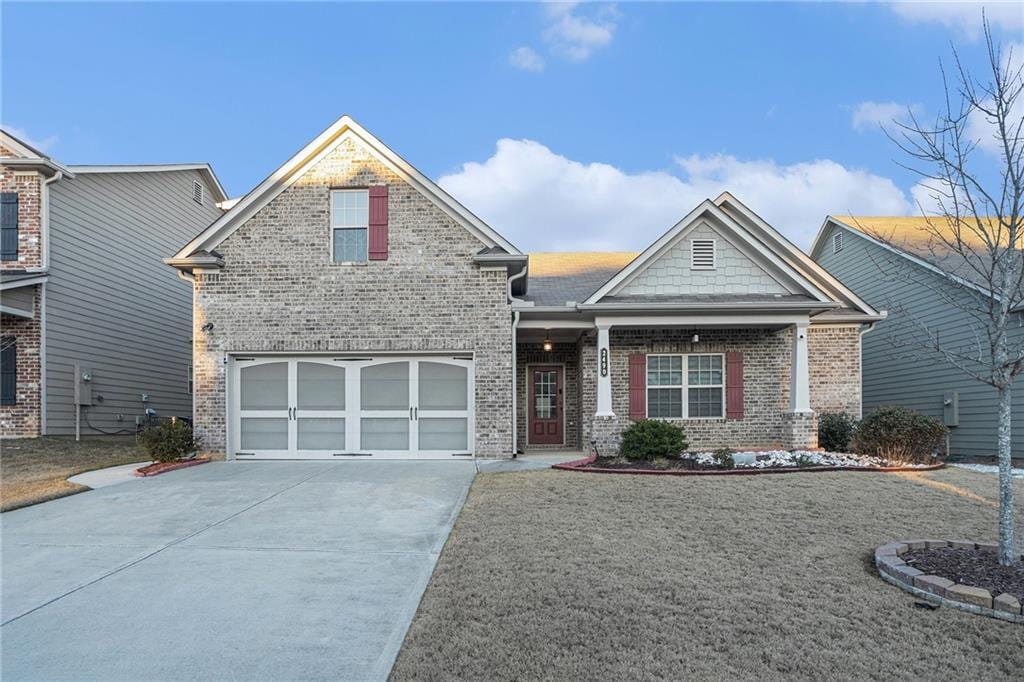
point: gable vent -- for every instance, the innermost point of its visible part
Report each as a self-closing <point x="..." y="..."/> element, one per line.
<point x="702" y="254"/>
<point x="837" y="242"/>
<point x="197" y="192"/>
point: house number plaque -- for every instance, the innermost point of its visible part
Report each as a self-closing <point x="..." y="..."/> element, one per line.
<point x="604" y="362"/>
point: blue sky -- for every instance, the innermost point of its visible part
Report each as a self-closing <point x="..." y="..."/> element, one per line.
<point x="565" y="126"/>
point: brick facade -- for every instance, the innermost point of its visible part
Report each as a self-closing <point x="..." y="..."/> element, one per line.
<point x="29" y="188"/>
<point x="566" y="354"/>
<point x="22" y="420"/>
<point x="280" y="291"/>
<point x="834" y="355"/>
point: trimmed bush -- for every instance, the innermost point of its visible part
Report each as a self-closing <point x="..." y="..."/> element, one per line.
<point x="835" y="430"/>
<point x="898" y="434"/>
<point x="723" y="458"/>
<point x="168" y="441"/>
<point x="652" y="438"/>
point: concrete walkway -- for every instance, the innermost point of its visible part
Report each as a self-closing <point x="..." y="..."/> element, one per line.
<point x="254" y="571"/>
<point x="528" y="462"/>
<point x="101" y="478"/>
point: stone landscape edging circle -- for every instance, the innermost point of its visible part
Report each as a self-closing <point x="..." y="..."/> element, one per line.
<point x="583" y="466"/>
<point x="939" y="590"/>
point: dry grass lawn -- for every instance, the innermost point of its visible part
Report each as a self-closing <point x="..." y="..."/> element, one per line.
<point x="35" y="470"/>
<point x="560" y="575"/>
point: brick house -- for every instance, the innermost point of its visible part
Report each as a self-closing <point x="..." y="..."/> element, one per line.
<point x="348" y="307"/>
<point x="81" y="350"/>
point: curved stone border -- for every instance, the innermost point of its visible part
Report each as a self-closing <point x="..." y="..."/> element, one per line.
<point x="583" y="465"/>
<point x="157" y="468"/>
<point x="939" y="590"/>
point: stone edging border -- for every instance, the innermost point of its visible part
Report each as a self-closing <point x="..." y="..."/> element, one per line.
<point x="157" y="468"/>
<point x="583" y="466"/>
<point x="939" y="590"/>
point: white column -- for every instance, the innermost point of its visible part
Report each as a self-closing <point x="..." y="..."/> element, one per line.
<point x="799" y="383"/>
<point x="604" y="373"/>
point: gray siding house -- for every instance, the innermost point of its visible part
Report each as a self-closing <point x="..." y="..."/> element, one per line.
<point x="92" y="293"/>
<point x="897" y="371"/>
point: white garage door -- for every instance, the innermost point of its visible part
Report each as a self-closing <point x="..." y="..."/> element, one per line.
<point x="309" y="407"/>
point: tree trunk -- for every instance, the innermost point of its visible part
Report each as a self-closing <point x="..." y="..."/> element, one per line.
<point x="1006" y="544"/>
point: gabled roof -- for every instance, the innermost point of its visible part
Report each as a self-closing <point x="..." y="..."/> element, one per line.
<point x="282" y="178"/>
<point x="28" y="157"/>
<point x="909" y="237"/>
<point x="204" y="169"/>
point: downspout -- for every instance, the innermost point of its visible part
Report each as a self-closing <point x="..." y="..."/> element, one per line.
<point x="44" y="236"/>
<point x="515" y="327"/>
<point x="44" y="219"/>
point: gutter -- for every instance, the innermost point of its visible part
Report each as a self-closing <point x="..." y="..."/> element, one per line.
<point x="515" y="326"/>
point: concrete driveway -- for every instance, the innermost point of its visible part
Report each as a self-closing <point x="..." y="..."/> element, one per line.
<point x="252" y="571"/>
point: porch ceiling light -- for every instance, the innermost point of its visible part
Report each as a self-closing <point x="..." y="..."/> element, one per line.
<point x="547" y="345"/>
<point x="696" y="338"/>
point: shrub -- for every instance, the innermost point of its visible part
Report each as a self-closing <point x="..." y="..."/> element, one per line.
<point x="898" y="434"/>
<point x="835" y="431"/>
<point x="651" y="438"/>
<point x="723" y="458"/>
<point x="168" y="441"/>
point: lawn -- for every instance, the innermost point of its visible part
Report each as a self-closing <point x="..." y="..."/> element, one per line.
<point x="35" y="469"/>
<point x="560" y="575"/>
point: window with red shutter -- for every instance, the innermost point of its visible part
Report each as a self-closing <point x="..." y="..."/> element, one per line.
<point x="637" y="386"/>
<point x="378" y="247"/>
<point x="734" y="385"/>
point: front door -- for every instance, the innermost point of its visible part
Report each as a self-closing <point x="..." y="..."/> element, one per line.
<point x="545" y="406"/>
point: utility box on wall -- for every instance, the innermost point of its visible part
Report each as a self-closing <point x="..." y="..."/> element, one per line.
<point x="951" y="409"/>
<point x="83" y="385"/>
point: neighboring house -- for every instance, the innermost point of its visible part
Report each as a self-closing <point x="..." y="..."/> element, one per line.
<point x="348" y="307"/>
<point x="84" y="286"/>
<point x="892" y="264"/>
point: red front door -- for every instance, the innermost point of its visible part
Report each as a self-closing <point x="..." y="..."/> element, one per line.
<point x="545" y="406"/>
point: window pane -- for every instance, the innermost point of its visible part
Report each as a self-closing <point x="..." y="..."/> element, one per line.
<point x="385" y="387"/>
<point x="705" y="402"/>
<point x="350" y="209"/>
<point x="264" y="387"/>
<point x="321" y="387"/>
<point x="664" y="403"/>
<point x="384" y="434"/>
<point x="264" y="434"/>
<point x="350" y="245"/>
<point x="321" y="434"/>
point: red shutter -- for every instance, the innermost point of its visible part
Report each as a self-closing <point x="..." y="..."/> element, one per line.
<point x="734" y="385"/>
<point x="378" y="247"/>
<point x="637" y="386"/>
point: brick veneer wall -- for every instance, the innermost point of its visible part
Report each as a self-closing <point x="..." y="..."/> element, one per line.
<point x="22" y="420"/>
<point x="279" y="291"/>
<point x="561" y="354"/>
<point x="27" y="185"/>
<point x="766" y="370"/>
<point x="834" y="357"/>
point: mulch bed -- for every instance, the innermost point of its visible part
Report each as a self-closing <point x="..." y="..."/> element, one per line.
<point x="973" y="567"/>
<point x="157" y="468"/>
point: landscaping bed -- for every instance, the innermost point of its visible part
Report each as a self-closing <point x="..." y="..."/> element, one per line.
<point x="973" y="567"/>
<point x="163" y="467"/>
<point x="746" y="462"/>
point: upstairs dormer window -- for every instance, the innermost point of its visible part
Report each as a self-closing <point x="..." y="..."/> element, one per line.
<point x="837" y="242"/>
<point x="702" y="254"/>
<point x="350" y="222"/>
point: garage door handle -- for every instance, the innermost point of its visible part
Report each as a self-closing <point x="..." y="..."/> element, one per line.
<point x="410" y="414"/>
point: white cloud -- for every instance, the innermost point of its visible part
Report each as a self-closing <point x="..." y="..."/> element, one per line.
<point x="965" y="17"/>
<point x="527" y="59"/>
<point x="42" y="144"/>
<point x="575" y="34"/>
<point x="872" y="115"/>
<point x="544" y="201"/>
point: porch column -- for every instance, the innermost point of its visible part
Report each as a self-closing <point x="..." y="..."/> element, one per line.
<point x="604" y="373"/>
<point x="799" y="384"/>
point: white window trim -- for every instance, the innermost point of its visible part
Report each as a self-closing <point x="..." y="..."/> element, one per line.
<point x="332" y="227"/>
<point x="714" y="254"/>
<point x="683" y="387"/>
<point x="190" y="380"/>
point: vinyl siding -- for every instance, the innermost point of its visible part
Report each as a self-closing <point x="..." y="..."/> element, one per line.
<point x="914" y="377"/>
<point x="112" y="304"/>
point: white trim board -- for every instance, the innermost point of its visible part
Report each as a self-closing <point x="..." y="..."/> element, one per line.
<point x="293" y="169"/>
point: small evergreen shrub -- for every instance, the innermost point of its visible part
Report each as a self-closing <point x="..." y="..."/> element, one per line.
<point x="835" y="430"/>
<point x="168" y="441"/>
<point x="898" y="434"/>
<point x="652" y="438"/>
<point x="723" y="458"/>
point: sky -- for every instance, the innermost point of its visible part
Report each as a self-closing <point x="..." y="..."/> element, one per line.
<point x="565" y="126"/>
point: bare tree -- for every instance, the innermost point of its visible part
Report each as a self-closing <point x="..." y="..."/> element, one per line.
<point x="975" y="232"/>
